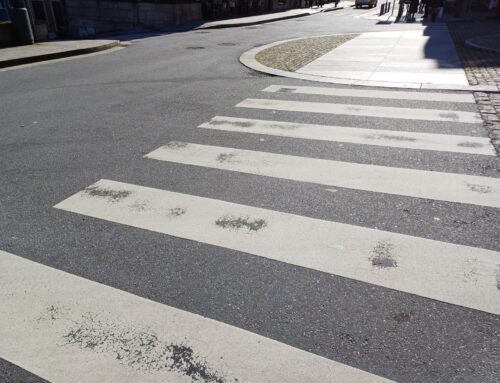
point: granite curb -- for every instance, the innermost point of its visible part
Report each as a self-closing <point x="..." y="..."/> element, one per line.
<point x="473" y="43"/>
<point x="58" y="55"/>
<point x="249" y="60"/>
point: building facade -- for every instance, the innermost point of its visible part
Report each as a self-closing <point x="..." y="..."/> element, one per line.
<point x="83" y="18"/>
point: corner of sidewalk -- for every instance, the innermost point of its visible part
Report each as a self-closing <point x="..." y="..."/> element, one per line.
<point x="481" y="67"/>
<point x="477" y="42"/>
<point x="57" y="49"/>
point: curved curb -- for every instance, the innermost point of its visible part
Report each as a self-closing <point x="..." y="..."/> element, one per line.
<point x="265" y="21"/>
<point x="470" y="43"/>
<point x="250" y="23"/>
<point x="58" y="55"/>
<point x="248" y="59"/>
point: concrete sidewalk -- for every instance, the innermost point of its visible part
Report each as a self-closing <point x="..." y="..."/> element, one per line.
<point x="424" y="58"/>
<point x="26" y="54"/>
<point x="270" y="17"/>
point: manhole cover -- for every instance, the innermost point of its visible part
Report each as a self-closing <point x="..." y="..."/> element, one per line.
<point x="195" y="47"/>
<point x="227" y="44"/>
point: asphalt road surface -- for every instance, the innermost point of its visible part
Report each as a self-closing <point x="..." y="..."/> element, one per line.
<point x="267" y="251"/>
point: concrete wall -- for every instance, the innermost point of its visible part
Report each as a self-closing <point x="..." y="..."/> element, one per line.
<point x="90" y="17"/>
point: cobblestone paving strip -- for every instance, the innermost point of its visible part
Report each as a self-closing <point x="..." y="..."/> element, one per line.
<point x="293" y="55"/>
<point x="481" y="68"/>
<point x="489" y="108"/>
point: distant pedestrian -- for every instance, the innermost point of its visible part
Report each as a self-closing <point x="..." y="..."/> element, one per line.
<point x="336" y="3"/>
<point x="413" y="9"/>
<point x="427" y="8"/>
<point x="321" y="3"/>
<point x="422" y="6"/>
<point x="436" y="9"/>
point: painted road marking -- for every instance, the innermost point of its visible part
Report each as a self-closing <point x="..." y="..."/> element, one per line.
<point x="379" y="137"/>
<point x="64" y="328"/>
<point x="447" y="272"/>
<point x="461" y="188"/>
<point x="363" y="110"/>
<point x="368" y="93"/>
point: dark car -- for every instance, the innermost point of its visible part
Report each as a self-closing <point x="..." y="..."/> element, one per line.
<point x="370" y="3"/>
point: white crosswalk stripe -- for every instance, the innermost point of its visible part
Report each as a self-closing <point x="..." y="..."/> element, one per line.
<point x="379" y="137"/>
<point x="369" y="93"/>
<point x="419" y="266"/>
<point x="476" y="190"/>
<point x="362" y="110"/>
<point x="68" y="329"/>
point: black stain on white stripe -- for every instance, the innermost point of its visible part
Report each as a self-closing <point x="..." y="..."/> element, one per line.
<point x="110" y="194"/>
<point x="176" y="211"/>
<point x="483" y="189"/>
<point x="241" y="124"/>
<point x="176" y="145"/>
<point x="382" y="256"/>
<point x="470" y="145"/>
<point x="238" y="223"/>
<point x="52" y="313"/>
<point x="225" y="157"/>
<point x="451" y="116"/>
<point x="284" y="126"/>
<point x="354" y="109"/>
<point x="389" y="137"/>
<point x="139" y="206"/>
<point x="139" y="349"/>
<point x="498" y="277"/>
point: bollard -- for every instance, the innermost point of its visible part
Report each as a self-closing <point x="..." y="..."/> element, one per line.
<point x="22" y="26"/>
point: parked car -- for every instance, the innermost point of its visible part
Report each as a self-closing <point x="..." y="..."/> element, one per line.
<point x="370" y="3"/>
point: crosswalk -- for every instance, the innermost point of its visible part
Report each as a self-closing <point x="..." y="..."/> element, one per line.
<point x="65" y="328"/>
